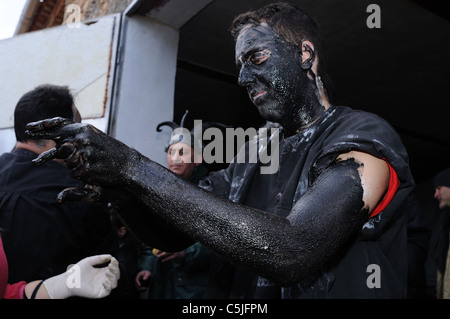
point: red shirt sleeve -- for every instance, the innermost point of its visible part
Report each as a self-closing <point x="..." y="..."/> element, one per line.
<point x="15" y="291"/>
<point x="394" y="183"/>
<point x="7" y="291"/>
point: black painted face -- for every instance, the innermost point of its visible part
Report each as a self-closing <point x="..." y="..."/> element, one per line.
<point x="270" y="70"/>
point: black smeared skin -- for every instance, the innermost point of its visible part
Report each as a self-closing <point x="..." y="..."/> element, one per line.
<point x="283" y="250"/>
<point x="174" y="213"/>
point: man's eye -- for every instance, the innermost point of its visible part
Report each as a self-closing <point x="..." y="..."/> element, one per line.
<point x="258" y="57"/>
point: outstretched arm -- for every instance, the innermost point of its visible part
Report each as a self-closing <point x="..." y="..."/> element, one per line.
<point x="284" y="250"/>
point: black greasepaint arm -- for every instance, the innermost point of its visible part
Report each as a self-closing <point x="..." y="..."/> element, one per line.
<point x="283" y="250"/>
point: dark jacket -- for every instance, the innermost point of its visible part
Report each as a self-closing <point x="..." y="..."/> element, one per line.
<point x="43" y="237"/>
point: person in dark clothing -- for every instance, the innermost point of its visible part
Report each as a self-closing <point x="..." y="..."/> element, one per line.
<point x="439" y="243"/>
<point x="182" y="274"/>
<point x="125" y="249"/>
<point x="442" y="188"/>
<point x="418" y="241"/>
<point x="326" y="224"/>
<point x="41" y="237"/>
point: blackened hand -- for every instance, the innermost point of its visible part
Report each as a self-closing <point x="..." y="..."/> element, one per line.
<point x="92" y="193"/>
<point x="93" y="156"/>
<point x="86" y="194"/>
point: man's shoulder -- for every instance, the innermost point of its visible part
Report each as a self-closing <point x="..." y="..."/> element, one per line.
<point x="16" y="156"/>
<point x="349" y="113"/>
<point x="350" y="119"/>
<point x="6" y="157"/>
<point x="19" y="174"/>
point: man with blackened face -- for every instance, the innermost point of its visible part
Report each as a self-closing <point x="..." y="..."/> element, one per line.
<point x="326" y="224"/>
<point x="269" y="70"/>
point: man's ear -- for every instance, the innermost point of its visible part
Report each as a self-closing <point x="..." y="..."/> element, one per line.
<point x="307" y="54"/>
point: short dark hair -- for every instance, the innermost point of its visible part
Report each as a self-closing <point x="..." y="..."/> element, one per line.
<point x="291" y="23"/>
<point x="442" y="178"/>
<point x="44" y="101"/>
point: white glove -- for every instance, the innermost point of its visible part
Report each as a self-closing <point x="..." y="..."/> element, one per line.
<point x="84" y="280"/>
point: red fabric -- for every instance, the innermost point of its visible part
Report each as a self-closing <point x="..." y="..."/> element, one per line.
<point x="14" y="291"/>
<point x="394" y="183"/>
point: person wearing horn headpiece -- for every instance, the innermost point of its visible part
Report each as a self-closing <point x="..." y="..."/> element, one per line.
<point x="184" y="155"/>
<point x="182" y="274"/>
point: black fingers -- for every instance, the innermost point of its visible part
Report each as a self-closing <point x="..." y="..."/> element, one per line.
<point x="63" y="151"/>
<point x="79" y="194"/>
<point x="45" y="156"/>
<point x="46" y="129"/>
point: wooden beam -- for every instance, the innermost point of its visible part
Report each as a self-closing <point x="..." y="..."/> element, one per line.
<point x="57" y="7"/>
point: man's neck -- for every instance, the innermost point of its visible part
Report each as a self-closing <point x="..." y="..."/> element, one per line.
<point x="310" y="111"/>
<point x="33" y="147"/>
<point x="305" y="117"/>
<point x="38" y="149"/>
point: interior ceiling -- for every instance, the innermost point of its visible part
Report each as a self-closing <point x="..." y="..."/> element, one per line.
<point x="399" y="71"/>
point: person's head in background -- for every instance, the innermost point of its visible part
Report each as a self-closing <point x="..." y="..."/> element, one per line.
<point x="442" y="188"/>
<point x="182" y="160"/>
<point x="44" y="101"/>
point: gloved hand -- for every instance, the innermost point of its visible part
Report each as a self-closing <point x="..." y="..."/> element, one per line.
<point x="85" y="280"/>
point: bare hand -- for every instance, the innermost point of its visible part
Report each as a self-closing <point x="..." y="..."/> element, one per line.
<point x="142" y="279"/>
<point x="164" y="257"/>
